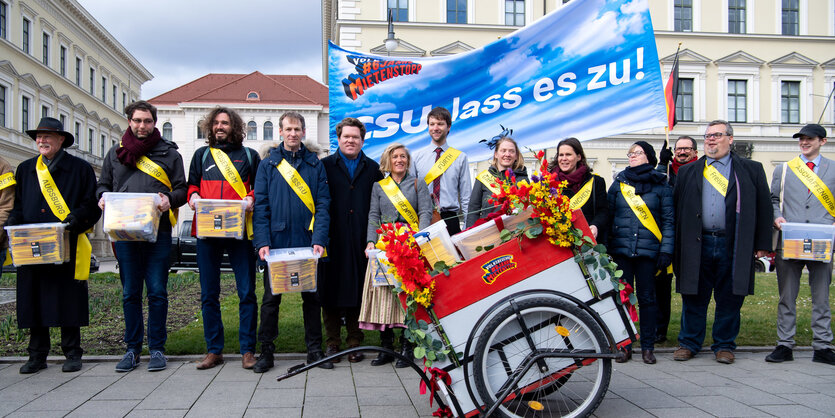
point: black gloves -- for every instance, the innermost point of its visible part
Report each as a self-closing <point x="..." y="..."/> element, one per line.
<point x="664" y="260"/>
<point x="72" y="224"/>
<point x="665" y="156"/>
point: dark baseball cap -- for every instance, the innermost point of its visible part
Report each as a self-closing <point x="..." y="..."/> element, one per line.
<point x="811" y="130"/>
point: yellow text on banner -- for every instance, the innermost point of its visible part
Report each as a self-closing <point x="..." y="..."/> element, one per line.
<point x="7" y="180"/>
<point x="639" y="207"/>
<point x="400" y="202"/>
<point x="145" y="165"/>
<point x="488" y="180"/>
<point x="813" y="183"/>
<point x="444" y="162"/>
<point x="582" y="196"/>
<point x="230" y="173"/>
<point x="59" y="208"/>
<point x="716" y="179"/>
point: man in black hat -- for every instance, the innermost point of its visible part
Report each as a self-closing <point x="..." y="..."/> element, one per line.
<point x="801" y="192"/>
<point x="55" y="295"/>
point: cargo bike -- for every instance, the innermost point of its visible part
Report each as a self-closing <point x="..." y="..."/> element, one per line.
<point x="536" y="333"/>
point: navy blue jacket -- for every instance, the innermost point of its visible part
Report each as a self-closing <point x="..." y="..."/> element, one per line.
<point x="627" y="235"/>
<point x="281" y="219"/>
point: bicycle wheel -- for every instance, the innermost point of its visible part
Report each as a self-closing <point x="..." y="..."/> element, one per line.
<point x="541" y="326"/>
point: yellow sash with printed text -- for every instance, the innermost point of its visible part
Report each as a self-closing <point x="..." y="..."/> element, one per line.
<point x="639" y="207"/>
<point x="59" y="208"/>
<point x="582" y="196"/>
<point x="716" y="179"/>
<point x="230" y="173"/>
<point x="813" y="183"/>
<point x="297" y="183"/>
<point x="145" y="165"/>
<point x="7" y="180"/>
<point x="444" y="162"/>
<point x="487" y="179"/>
<point x="400" y="202"/>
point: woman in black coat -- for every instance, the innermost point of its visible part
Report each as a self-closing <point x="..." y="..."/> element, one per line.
<point x="505" y="157"/>
<point x="641" y="247"/>
<point x="586" y="189"/>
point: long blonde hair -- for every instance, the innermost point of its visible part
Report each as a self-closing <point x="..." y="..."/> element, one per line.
<point x="385" y="159"/>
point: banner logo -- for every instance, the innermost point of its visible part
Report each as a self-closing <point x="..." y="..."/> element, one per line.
<point x="496" y="267"/>
<point x="373" y="71"/>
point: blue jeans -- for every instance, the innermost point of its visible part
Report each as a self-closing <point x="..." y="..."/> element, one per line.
<point x="641" y="271"/>
<point x="145" y="263"/>
<point x="715" y="277"/>
<point x="242" y="258"/>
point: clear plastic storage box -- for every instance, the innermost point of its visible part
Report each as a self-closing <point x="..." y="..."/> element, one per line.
<point x="292" y="270"/>
<point x="218" y="218"/>
<point x="436" y="245"/>
<point x="45" y="243"/>
<point x="131" y="216"/>
<point x="802" y="241"/>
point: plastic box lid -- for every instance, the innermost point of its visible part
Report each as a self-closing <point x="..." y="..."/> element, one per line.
<point x="112" y="196"/>
<point x="796" y="230"/>
<point x="48" y="225"/>
<point x="219" y="203"/>
<point x="290" y="254"/>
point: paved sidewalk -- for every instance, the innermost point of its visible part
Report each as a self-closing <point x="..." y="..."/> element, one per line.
<point x="697" y="388"/>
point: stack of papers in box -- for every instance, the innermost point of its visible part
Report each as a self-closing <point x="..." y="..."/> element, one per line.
<point x="292" y="270"/>
<point x="46" y="243"/>
<point x="131" y="216"/>
<point x="802" y="241"/>
<point x="435" y="245"/>
<point x="486" y="236"/>
<point x="218" y="218"/>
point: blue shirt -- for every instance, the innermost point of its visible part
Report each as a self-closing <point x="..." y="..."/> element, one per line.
<point x="817" y="161"/>
<point x="713" y="203"/>
<point x="456" y="185"/>
<point x="349" y="163"/>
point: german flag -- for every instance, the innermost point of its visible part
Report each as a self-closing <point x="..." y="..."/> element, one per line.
<point x="671" y="93"/>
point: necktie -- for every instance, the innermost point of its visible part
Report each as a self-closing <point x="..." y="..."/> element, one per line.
<point x="436" y="184"/>
<point x="811" y="166"/>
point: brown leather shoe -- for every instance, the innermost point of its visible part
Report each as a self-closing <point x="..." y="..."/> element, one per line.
<point x="331" y="350"/>
<point x="682" y="354"/>
<point x="725" y="356"/>
<point x="648" y="356"/>
<point x="211" y="360"/>
<point x="356" y="357"/>
<point x="248" y="360"/>
<point x="627" y="355"/>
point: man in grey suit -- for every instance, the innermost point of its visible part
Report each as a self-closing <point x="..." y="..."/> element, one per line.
<point x="801" y="205"/>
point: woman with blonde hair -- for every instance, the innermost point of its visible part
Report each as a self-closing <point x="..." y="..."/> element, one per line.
<point x="380" y="309"/>
<point x="506" y="156"/>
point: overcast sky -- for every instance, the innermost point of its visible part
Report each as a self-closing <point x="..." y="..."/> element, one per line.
<point x="182" y="40"/>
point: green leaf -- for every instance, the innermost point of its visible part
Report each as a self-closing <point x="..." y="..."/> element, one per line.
<point x="578" y="258"/>
<point x="600" y="248"/>
<point x="419" y="352"/>
<point x="423" y="325"/>
<point x="420" y="333"/>
<point x="479" y="248"/>
<point x="489" y="247"/>
<point x="618" y="274"/>
<point x="437" y="345"/>
<point x="621" y="286"/>
<point x="505" y="234"/>
<point x="407" y="333"/>
<point x="589" y="259"/>
<point x="532" y="221"/>
<point x="446" y="272"/>
<point x="439" y="266"/>
<point x="430" y="355"/>
<point x="537" y="229"/>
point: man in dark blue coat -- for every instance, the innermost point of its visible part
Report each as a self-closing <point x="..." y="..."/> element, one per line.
<point x="283" y="220"/>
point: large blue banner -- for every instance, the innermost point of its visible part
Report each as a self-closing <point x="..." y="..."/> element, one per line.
<point x="588" y="70"/>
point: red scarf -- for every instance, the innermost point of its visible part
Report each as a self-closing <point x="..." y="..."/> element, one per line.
<point x="131" y="147"/>
<point x="676" y="165"/>
<point x="576" y="179"/>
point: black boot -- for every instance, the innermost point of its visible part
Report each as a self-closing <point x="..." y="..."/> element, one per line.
<point x="265" y="360"/>
<point x="72" y="364"/>
<point x="407" y="349"/>
<point x="35" y="364"/>
<point x="386" y="341"/>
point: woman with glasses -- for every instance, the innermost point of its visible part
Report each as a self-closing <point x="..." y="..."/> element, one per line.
<point x="586" y="190"/>
<point x="641" y="235"/>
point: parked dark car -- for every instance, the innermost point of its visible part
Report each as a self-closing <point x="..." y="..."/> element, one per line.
<point x="184" y="252"/>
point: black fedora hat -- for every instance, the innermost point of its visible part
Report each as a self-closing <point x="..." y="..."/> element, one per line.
<point x="53" y="125"/>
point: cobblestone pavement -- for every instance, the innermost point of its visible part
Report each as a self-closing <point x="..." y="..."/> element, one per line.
<point x="696" y="388"/>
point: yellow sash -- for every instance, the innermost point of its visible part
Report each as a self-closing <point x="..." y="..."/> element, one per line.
<point x="7" y="180"/>
<point x="59" y="208"/>
<point x="8" y="259"/>
<point x="639" y="207"/>
<point x="716" y="179"/>
<point x="230" y="173"/>
<point x="400" y="202"/>
<point x="813" y="183"/>
<point x="145" y="165"/>
<point x="443" y="163"/>
<point x="488" y="180"/>
<point x="582" y="195"/>
<point x="296" y="182"/>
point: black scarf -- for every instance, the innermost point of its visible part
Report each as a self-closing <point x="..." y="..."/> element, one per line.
<point x="641" y="177"/>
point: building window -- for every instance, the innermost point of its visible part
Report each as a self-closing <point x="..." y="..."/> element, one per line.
<point x="24" y="114"/>
<point x="102" y="144"/>
<point x="252" y="96"/>
<point x="124" y="98"/>
<point x="26" y="29"/>
<point x="791" y="13"/>
<point x="45" y="58"/>
<point x="790" y="102"/>
<point x="200" y="133"/>
<point x="63" y="119"/>
<point x="92" y="82"/>
<point x="736" y="16"/>
<point x="78" y="133"/>
<point x="251" y="130"/>
<point x="737" y="101"/>
<point x="514" y="12"/>
<point x="90" y="134"/>
<point x="683" y="15"/>
<point x="167" y="131"/>
<point x="78" y="71"/>
<point x="268" y="131"/>
<point x="399" y="10"/>
<point x="3" y="106"/>
<point x="114" y="96"/>
<point x="456" y="11"/>
<point x="684" y="100"/>
<point x="63" y="61"/>
<point x="44" y="111"/>
<point x="104" y="89"/>
<point x="3" y="17"/>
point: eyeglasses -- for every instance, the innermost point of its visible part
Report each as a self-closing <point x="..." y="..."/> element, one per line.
<point x="685" y="149"/>
<point x="141" y="121"/>
<point x="634" y="154"/>
<point x="715" y="135"/>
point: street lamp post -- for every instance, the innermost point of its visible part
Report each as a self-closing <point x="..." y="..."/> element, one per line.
<point x="391" y="43"/>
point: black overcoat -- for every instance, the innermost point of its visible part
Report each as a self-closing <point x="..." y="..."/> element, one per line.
<point x="748" y="229"/>
<point x="48" y="295"/>
<point x="341" y="283"/>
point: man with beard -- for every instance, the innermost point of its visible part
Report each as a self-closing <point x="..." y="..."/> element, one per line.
<point x="225" y="170"/>
<point x="55" y="295"/>
<point x="144" y="162"/>
<point x="685" y="153"/>
<point x="445" y="170"/>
